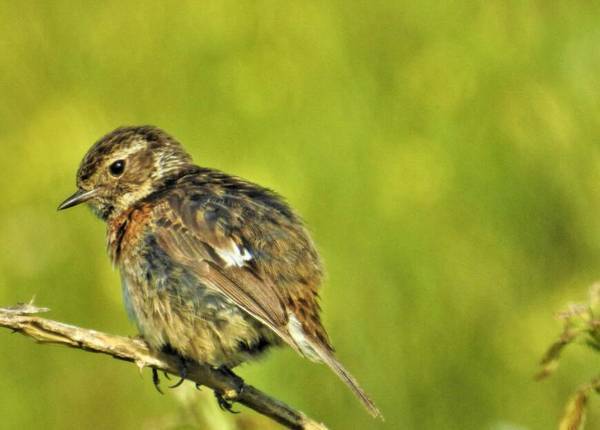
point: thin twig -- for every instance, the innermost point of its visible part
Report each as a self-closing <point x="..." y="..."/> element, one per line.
<point x="23" y="319"/>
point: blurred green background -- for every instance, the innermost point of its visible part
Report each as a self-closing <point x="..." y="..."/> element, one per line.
<point x="444" y="155"/>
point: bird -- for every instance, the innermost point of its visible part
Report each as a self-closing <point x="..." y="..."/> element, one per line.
<point x="214" y="268"/>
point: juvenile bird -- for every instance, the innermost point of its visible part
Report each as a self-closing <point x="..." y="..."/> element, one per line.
<point x="213" y="268"/>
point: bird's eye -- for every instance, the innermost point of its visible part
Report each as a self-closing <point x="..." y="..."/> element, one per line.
<point x="117" y="168"/>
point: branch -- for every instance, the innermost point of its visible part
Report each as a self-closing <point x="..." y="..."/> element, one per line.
<point x="22" y="318"/>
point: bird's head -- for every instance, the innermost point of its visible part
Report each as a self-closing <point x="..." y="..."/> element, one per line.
<point x="125" y="166"/>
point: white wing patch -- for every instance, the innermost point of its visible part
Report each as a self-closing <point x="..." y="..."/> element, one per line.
<point x="234" y="256"/>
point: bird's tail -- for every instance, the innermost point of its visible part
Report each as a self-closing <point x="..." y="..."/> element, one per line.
<point x="328" y="358"/>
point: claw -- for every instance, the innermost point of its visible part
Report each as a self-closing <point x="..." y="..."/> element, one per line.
<point x="224" y="404"/>
<point x="178" y="383"/>
<point x="156" y="380"/>
<point x="182" y="374"/>
<point x="198" y="387"/>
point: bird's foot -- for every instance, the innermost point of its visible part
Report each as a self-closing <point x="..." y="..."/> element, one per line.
<point x="183" y="372"/>
<point x="226" y="401"/>
<point x="225" y="404"/>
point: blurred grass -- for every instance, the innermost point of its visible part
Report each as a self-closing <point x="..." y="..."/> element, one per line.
<point x="445" y="157"/>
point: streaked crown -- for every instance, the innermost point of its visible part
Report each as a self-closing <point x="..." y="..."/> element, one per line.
<point x="125" y="166"/>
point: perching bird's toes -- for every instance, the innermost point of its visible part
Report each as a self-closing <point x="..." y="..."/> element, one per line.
<point x="182" y="373"/>
<point x="224" y="404"/>
<point x="156" y="380"/>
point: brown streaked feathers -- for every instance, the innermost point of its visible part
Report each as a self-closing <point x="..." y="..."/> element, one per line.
<point x="213" y="266"/>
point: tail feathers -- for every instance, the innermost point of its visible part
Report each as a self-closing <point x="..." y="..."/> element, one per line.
<point x="328" y="358"/>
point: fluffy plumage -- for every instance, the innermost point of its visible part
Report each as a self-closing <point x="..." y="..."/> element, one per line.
<point x="213" y="267"/>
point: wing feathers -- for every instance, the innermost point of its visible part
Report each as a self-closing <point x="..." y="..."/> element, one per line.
<point x="211" y="240"/>
<point x="259" y="297"/>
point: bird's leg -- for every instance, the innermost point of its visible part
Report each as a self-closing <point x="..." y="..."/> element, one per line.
<point x="182" y="372"/>
<point x="181" y="364"/>
<point x="156" y="380"/>
<point x="226" y="404"/>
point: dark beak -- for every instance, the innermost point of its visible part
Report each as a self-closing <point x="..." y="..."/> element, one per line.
<point x="80" y="196"/>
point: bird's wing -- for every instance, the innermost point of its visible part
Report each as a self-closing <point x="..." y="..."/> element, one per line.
<point x="225" y="243"/>
<point x="210" y="239"/>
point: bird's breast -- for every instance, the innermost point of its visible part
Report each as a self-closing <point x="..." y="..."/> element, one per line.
<point x="172" y="306"/>
<point x="125" y="231"/>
